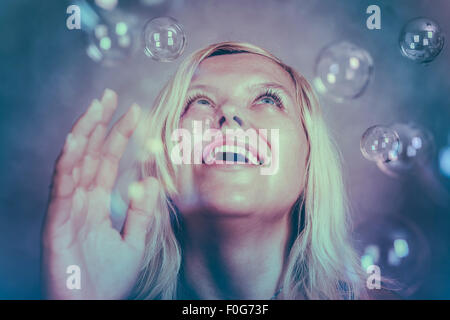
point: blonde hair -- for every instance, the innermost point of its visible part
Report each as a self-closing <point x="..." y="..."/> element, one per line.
<point x="321" y="264"/>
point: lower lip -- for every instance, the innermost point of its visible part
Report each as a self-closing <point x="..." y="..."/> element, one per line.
<point x="231" y="166"/>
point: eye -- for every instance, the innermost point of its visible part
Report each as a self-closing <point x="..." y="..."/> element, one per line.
<point x="268" y="100"/>
<point x="199" y="98"/>
<point x="203" y="101"/>
<point x="271" y="97"/>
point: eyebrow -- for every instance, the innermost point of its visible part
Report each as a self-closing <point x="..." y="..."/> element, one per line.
<point x="273" y="85"/>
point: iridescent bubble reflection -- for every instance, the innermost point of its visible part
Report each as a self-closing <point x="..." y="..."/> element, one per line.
<point x="343" y="71"/>
<point x="421" y="40"/>
<point x="398" y="247"/>
<point x="164" y="39"/>
<point x="379" y="143"/>
<point x="415" y="150"/>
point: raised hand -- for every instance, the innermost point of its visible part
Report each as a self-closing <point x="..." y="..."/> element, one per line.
<point x="77" y="229"/>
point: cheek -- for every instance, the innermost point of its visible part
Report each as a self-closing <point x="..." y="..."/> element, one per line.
<point x="196" y="114"/>
<point x="187" y="199"/>
<point x="292" y="164"/>
<point x="197" y="124"/>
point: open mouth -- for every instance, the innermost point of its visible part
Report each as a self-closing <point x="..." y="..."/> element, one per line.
<point x="232" y="155"/>
<point x="237" y="152"/>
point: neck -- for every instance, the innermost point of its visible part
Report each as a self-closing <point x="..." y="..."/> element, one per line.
<point x="233" y="257"/>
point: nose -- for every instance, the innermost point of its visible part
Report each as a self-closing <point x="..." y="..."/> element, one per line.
<point x="230" y="116"/>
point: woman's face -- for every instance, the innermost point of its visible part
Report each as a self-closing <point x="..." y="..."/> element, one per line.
<point x="253" y="93"/>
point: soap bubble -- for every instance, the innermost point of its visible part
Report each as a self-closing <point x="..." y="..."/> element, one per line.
<point x="421" y="40"/>
<point x="106" y="4"/>
<point x="111" y="44"/>
<point x="343" y="71"/>
<point x="444" y="161"/>
<point x="415" y="150"/>
<point x="152" y="2"/>
<point x="398" y="247"/>
<point x="379" y="143"/>
<point x="164" y="39"/>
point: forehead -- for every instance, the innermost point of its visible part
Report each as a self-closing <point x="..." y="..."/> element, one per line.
<point x="241" y="67"/>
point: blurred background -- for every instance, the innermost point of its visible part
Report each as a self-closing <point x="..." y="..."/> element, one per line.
<point x="399" y="198"/>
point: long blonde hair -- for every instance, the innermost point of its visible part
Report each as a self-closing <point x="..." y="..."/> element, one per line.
<point x="321" y="263"/>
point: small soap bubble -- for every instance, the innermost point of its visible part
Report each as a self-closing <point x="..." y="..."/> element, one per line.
<point x="421" y="40"/>
<point x="164" y="39"/>
<point x="343" y="71"/>
<point x="379" y="143"/>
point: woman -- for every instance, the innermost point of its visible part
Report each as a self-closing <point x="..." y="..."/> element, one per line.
<point x="206" y="230"/>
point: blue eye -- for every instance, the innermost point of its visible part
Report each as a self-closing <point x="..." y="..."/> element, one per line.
<point x="271" y="101"/>
<point x="272" y="98"/>
<point x="201" y="101"/>
<point x="196" y="98"/>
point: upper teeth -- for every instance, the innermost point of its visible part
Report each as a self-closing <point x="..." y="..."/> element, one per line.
<point x="238" y="150"/>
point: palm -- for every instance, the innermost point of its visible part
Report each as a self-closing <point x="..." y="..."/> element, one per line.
<point x="78" y="230"/>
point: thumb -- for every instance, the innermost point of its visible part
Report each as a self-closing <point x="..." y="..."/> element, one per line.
<point x="143" y="196"/>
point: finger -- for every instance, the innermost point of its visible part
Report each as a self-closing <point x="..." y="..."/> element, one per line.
<point x="63" y="208"/>
<point x="91" y="160"/>
<point x="68" y="172"/>
<point x="77" y="139"/>
<point x="114" y="147"/>
<point x="87" y="122"/>
<point x="143" y="197"/>
<point x="64" y="183"/>
<point x="109" y="103"/>
<point x="58" y="211"/>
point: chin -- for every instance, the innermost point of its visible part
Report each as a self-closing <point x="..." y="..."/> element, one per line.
<point x="233" y="203"/>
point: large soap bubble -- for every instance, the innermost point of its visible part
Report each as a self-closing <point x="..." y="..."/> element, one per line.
<point x="164" y="39"/>
<point x="398" y="247"/>
<point x="421" y="40"/>
<point x="415" y="150"/>
<point x="343" y="71"/>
